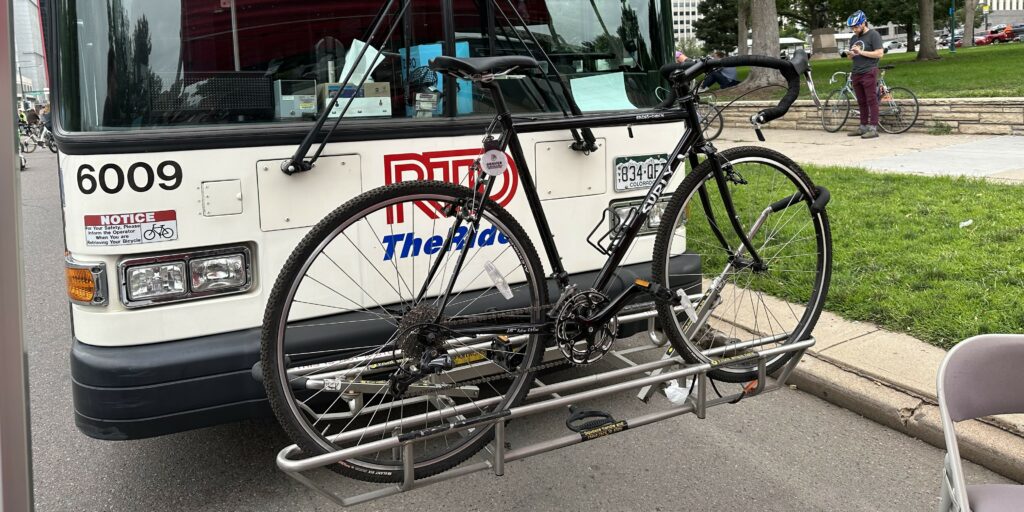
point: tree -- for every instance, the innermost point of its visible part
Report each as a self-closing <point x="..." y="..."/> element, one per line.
<point x="690" y="46"/>
<point x="970" y="22"/>
<point x="718" y="27"/>
<point x="743" y="14"/>
<point x="765" y="27"/>
<point x="926" y="15"/>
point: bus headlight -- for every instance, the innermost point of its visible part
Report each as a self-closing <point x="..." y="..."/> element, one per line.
<point x="217" y="273"/>
<point x="155" y="282"/>
<point x="168" y="278"/>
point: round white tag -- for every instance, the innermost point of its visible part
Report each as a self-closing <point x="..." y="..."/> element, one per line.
<point x="494" y="162"/>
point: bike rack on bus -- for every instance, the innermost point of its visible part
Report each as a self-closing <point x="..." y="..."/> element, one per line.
<point x="648" y="375"/>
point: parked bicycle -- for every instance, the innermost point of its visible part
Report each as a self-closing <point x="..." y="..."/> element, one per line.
<point x="711" y="120"/>
<point x="451" y="341"/>
<point x="710" y="115"/>
<point x="33" y="136"/>
<point x="158" y="230"/>
<point x="898" y="107"/>
<point x="47" y="138"/>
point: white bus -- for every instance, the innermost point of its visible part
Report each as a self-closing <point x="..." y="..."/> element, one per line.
<point x="173" y="118"/>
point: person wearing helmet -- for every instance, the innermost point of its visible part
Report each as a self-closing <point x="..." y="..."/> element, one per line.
<point x="865" y="52"/>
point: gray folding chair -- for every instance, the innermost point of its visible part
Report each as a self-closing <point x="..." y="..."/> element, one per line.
<point x="979" y="377"/>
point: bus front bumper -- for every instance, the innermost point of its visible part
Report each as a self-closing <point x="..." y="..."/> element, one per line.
<point x="150" y="390"/>
<point x="140" y="391"/>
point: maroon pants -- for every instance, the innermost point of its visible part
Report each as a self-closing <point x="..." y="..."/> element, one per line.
<point x="864" y="86"/>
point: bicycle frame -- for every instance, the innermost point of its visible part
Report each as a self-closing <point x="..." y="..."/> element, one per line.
<point x="690" y="145"/>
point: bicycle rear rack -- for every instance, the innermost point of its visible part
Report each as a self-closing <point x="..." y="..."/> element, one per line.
<point x="648" y="375"/>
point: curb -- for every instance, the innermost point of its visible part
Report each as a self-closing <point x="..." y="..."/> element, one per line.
<point x="979" y="442"/>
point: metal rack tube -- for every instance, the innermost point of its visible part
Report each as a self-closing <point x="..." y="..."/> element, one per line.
<point x="455" y="347"/>
<point x="518" y="412"/>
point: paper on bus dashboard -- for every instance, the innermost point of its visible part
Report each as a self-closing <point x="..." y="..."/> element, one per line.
<point x="131" y="228"/>
<point x="606" y="91"/>
<point x="362" y="68"/>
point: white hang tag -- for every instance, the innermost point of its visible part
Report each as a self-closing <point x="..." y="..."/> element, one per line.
<point x="494" y="162"/>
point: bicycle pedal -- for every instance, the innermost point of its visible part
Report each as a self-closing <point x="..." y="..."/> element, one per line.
<point x="583" y="420"/>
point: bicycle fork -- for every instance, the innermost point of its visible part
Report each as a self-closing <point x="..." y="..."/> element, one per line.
<point x="699" y="316"/>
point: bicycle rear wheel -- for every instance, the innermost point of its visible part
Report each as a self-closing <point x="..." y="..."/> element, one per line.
<point x="357" y="309"/>
<point x="778" y="305"/>
<point x="835" y="111"/>
<point x="898" y="109"/>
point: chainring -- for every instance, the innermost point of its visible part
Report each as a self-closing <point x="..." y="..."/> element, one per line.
<point x="578" y="343"/>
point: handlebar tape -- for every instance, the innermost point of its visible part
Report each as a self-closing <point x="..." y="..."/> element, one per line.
<point x="689" y="70"/>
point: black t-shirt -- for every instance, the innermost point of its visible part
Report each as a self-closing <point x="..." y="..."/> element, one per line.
<point x="870" y="41"/>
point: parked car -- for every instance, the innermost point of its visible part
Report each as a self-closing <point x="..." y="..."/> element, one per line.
<point x="994" y="38"/>
<point x="893" y="45"/>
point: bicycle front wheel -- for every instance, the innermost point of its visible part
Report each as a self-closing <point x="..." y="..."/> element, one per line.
<point x="734" y="300"/>
<point x="362" y="343"/>
<point x="28" y="145"/>
<point x="835" y="111"/>
<point x="898" y="109"/>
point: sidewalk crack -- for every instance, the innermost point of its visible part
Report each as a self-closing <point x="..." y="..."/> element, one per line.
<point x="908" y="413"/>
<point x="830" y="347"/>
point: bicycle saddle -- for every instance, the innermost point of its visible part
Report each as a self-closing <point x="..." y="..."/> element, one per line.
<point x="481" y="65"/>
<point x="890" y="66"/>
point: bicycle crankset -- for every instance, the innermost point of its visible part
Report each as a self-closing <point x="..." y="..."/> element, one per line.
<point x="579" y="342"/>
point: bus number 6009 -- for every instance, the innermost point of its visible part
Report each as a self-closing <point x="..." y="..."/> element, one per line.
<point x="140" y="177"/>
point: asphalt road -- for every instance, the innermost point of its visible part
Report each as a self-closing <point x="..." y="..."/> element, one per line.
<point x="783" y="451"/>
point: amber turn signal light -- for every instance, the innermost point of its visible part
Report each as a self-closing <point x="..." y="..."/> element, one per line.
<point x="85" y="282"/>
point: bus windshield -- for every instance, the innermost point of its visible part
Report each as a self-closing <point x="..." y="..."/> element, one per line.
<point x="138" y="64"/>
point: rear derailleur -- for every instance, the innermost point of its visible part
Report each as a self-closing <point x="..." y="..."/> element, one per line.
<point x="431" y="362"/>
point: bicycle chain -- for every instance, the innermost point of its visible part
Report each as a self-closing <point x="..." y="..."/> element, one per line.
<point x="506" y="375"/>
<point x="500" y="315"/>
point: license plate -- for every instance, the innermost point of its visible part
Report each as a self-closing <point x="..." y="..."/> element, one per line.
<point x="637" y="172"/>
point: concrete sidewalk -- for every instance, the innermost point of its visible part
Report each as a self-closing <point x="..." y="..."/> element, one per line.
<point x="886" y="376"/>
<point x="998" y="158"/>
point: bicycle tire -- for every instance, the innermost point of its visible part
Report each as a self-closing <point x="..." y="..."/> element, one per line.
<point x="786" y="300"/>
<point x="836" y="110"/>
<point x="334" y="227"/>
<point x="899" y="112"/>
<point x="28" y="146"/>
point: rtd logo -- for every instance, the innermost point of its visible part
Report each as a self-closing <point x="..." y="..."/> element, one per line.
<point x="452" y="166"/>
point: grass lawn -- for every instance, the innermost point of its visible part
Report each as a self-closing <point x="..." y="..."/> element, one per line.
<point x="985" y="71"/>
<point x="902" y="261"/>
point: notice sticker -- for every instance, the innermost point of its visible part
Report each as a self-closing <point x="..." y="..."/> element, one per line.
<point x="131" y="228"/>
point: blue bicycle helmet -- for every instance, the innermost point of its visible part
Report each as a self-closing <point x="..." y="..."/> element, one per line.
<point x="856" y="18"/>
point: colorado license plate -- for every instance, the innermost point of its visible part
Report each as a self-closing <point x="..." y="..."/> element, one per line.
<point x="637" y="172"/>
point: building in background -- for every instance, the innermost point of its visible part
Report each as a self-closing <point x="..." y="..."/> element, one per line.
<point x="684" y="13"/>
<point x="1004" y="11"/>
<point x="29" y="54"/>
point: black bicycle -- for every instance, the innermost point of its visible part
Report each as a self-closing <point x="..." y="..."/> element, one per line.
<point x="158" y="231"/>
<point x="422" y="305"/>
